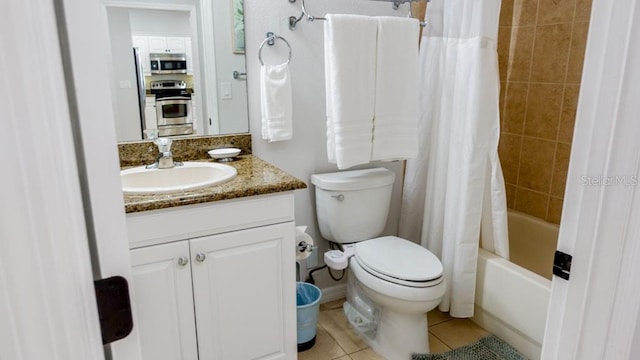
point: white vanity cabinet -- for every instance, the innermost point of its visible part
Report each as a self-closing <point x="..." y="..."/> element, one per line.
<point x="217" y="280"/>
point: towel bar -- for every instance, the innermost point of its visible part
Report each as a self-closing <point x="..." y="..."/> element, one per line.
<point x="293" y="21"/>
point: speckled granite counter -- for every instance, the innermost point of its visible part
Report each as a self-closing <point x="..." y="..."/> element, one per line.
<point x="255" y="177"/>
<point x="188" y="148"/>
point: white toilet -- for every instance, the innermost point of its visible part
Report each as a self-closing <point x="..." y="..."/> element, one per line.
<point x="393" y="282"/>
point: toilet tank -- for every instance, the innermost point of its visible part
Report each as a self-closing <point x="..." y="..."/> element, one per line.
<point x="352" y="206"/>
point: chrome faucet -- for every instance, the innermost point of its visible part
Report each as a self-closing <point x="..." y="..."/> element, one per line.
<point x="165" y="157"/>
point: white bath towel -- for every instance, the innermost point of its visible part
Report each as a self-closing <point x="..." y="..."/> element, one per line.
<point x="395" y="125"/>
<point x="350" y="63"/>
<point x="276" y="102"/>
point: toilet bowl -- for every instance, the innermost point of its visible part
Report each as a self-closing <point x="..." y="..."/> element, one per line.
<point x="393" y="282"/>
<point x="405" y="289"/>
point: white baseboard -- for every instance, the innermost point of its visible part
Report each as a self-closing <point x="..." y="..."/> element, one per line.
<point x="332" y="293"/>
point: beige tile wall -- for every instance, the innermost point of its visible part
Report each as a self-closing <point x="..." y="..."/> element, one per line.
<point x="541" y="47"/>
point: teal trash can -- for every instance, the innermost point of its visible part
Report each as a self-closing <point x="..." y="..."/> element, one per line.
<point x="308" y="304"/>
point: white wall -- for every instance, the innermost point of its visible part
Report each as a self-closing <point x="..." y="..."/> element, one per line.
<point x="125" y="91"/>
<point x="306" y="153"/>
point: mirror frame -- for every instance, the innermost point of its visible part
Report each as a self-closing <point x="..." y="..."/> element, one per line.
<point x="205" y="46"/>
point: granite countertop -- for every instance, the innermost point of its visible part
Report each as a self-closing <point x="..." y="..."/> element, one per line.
<point x="255" y="177"/>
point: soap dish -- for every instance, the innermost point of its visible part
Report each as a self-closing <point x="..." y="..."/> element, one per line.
<point x="225" y="154"/>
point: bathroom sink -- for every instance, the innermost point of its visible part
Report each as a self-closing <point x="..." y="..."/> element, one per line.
<point x="190" y="176"/>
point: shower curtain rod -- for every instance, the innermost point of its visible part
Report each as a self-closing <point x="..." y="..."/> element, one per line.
<point x="293" y="21"/>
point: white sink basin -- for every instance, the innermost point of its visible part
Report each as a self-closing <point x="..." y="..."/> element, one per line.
<point x="190" y="176"/>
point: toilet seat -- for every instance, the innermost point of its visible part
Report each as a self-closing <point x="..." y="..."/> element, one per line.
<point x="399" y="261"/>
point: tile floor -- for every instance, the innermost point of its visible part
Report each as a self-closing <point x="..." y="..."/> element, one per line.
<point x="336" y="340"/>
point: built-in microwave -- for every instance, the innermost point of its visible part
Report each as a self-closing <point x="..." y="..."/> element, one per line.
<point x="168" y="63"/>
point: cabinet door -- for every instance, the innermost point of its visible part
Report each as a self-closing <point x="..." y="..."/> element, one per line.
<point x="244" y="290"/>
<point x="150" y="114"/>
<point x="176" y="45"/>
<point x="141" y="42"/>
<point x="195" y="115"/>
<point x="157" y="44"/>
<point x="164" y="302"/>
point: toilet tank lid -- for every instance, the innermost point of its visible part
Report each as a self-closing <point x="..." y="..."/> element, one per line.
<point x="354" y="179"/>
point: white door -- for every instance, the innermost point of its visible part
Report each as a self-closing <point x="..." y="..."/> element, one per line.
<point x="62" y="220"/>
<point x="594" y="314"/>
<point x="47" y="300"/>
<point x="245" y="280"/>
<point x="86" y="64"/>
<point x="164" y="299"/>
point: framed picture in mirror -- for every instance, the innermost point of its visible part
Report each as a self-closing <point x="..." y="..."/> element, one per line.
<point x="237" y="33"/>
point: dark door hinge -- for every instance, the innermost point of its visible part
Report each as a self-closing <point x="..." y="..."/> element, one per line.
<point x="562" y="265"/>
<point x="114" y="308"/>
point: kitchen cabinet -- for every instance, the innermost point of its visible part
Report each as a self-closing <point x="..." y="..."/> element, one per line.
<point x="194" y="113"/>
<point x="150" y="115"/>
<point x="168" y="44"/>
<point x="163" y="45"/>
<point x="142" y="43"/>
<point x="216" y="281"/>
<point x="189" y="53"/>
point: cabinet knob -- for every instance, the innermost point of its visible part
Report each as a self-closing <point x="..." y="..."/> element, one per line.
<point x="200" y="257"/>
<point x="183" y="260"/>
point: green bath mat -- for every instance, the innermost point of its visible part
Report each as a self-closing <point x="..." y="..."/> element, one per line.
<point x="488" y="348"/>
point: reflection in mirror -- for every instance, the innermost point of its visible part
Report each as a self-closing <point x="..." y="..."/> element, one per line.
<point x="173" y="67"/>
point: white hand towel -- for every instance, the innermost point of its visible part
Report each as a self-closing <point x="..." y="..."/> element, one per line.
<point x="350" y="63"/>
<point x="395" y="125"/>
<point x="276" y="102"/>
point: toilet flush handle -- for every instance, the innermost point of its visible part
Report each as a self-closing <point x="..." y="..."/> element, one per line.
<point x="339" y="197"/>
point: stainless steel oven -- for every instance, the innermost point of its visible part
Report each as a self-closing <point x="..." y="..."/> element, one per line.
<point x="173" y="108"/>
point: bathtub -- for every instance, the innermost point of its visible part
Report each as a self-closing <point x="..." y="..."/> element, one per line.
<point x="512" y="297"/>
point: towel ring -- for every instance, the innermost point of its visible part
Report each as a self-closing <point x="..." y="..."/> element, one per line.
<point x="270" y="41"/>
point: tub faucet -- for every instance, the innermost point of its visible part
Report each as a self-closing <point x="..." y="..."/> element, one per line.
<point x="165" y="157"/>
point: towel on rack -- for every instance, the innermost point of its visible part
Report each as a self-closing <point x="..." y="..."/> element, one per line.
<point x="350" y="63"/>
<point x="276" y="102"/>
<point x="395" y="126"/>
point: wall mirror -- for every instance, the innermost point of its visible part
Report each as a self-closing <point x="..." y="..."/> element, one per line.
<point x="178" y="66"/>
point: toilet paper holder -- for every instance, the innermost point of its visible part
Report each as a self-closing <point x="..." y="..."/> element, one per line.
<point x="303" y="246"/>
<point x="304" y="243"/>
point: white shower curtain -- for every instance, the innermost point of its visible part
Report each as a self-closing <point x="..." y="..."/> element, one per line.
<point x="456" y="182"/>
